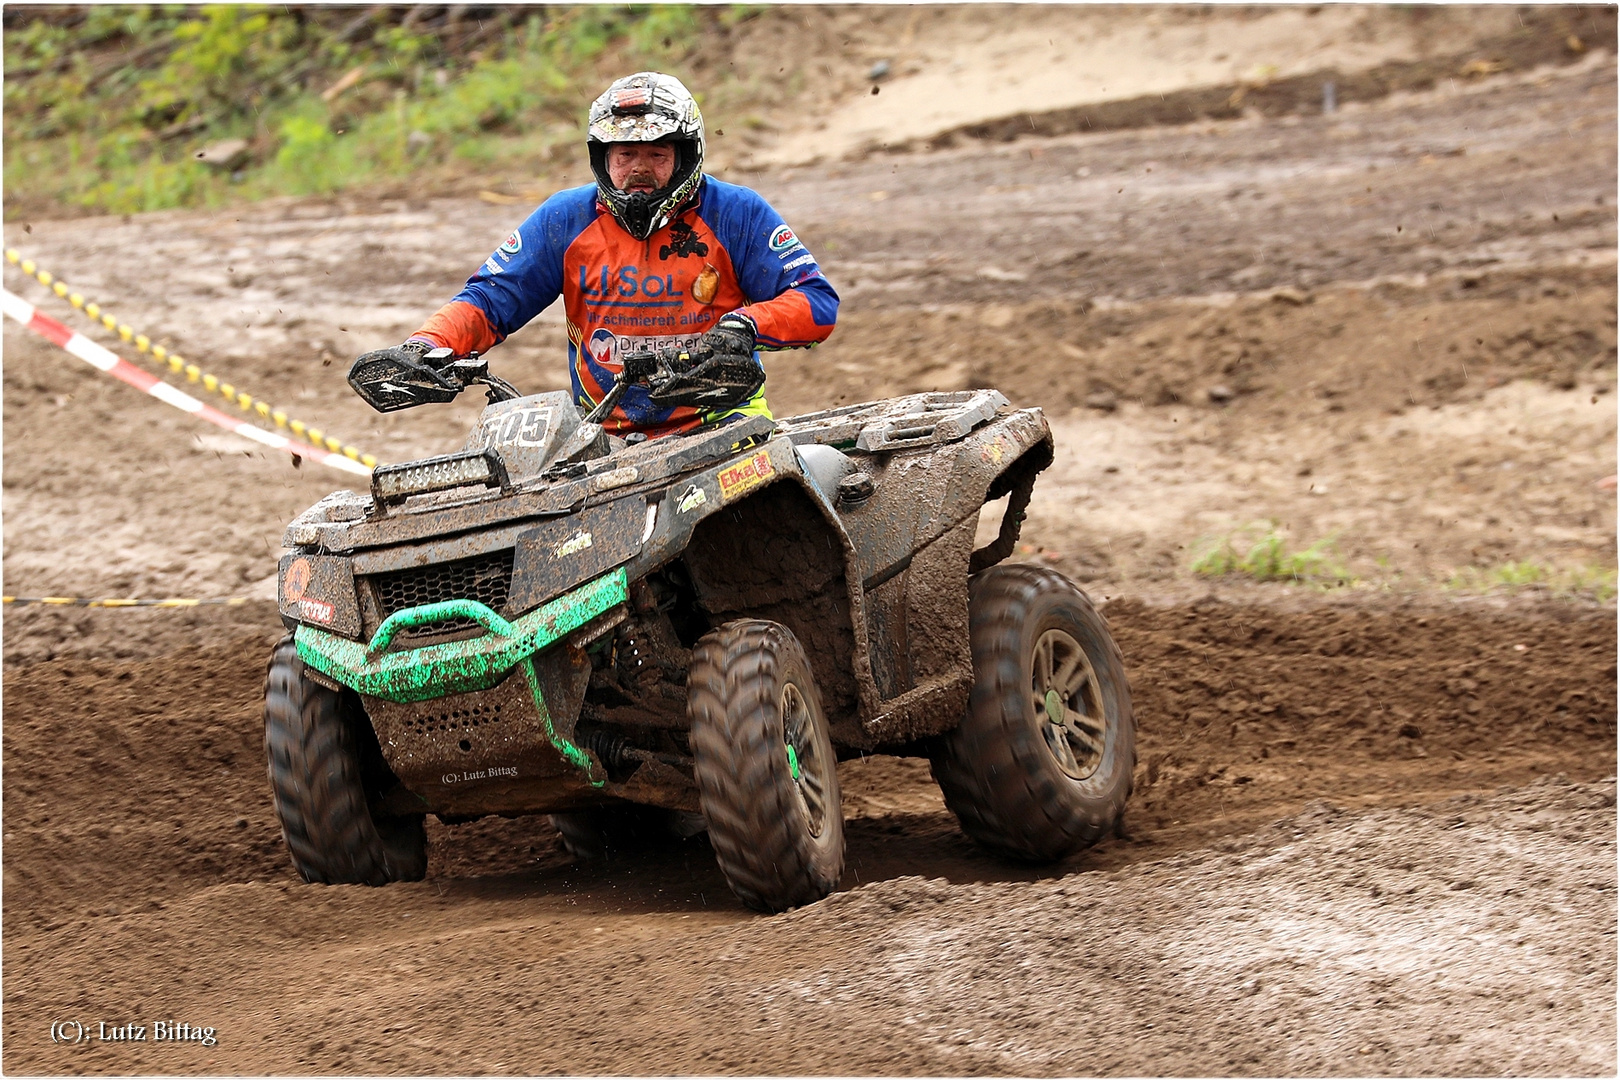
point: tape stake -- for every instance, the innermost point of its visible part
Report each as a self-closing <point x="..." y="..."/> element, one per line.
<point x="105" y="360"/>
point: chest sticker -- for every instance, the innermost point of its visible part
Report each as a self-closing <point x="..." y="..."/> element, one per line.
<point x="745" y="476"/>
<point x="607" y="349"/>
<point x="707" y="285"/>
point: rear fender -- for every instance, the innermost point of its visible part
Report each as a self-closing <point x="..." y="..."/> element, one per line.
<point x="1017" y="482"/>
<point x="916" y="538"/>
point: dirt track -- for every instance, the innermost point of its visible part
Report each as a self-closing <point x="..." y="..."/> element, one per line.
<point x="1438" y="396"/>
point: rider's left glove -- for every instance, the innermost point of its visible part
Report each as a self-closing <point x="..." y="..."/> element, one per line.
<point x="733" y="335"/>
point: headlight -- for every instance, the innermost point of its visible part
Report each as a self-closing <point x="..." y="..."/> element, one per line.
<point x="396" y="483"/>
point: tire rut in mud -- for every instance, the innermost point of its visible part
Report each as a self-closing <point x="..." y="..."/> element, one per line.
<point x="128" y="783"/>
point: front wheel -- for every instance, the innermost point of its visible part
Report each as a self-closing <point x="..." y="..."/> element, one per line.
<point x="325" y="765"/>
<point x="1041" y="764"/>
<point x="766" y="773"/>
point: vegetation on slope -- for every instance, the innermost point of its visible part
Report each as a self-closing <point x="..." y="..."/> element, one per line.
<point x="132" y="108"/>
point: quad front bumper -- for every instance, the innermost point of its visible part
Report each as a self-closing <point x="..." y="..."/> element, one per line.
<point x="466" y="725"/>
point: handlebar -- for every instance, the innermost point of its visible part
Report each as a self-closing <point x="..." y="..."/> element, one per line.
<point x="642" y="368"/>
<point x="467" y="370"/>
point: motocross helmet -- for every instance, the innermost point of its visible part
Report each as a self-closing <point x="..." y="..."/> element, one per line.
<point x="647" y="107"/>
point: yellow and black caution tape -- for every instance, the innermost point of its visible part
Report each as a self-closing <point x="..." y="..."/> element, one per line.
<point x="178" y="364"/>
<point x="80" y="601"/>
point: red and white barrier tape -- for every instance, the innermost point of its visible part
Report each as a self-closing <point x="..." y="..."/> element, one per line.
<point x="106" y="360"/>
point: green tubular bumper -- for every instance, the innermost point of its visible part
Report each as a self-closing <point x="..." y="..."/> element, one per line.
<point x="454" y="667"/>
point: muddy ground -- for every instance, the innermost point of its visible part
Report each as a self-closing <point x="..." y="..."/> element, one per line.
<point x="1373" y="832"/>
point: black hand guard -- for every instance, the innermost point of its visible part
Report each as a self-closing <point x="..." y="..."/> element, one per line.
<point x="709" y="382"/>
<point x="397" y="378"/>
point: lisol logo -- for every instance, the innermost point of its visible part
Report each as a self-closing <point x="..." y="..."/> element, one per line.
<point x="745" y="475"/>
<point x="783" y="238"/>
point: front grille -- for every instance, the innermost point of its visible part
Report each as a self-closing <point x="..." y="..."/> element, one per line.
<point x="455" y="720"/>
<point x="484" y="578"/>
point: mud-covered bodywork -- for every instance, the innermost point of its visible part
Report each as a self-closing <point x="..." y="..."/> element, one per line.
<point x="516" y="618"/>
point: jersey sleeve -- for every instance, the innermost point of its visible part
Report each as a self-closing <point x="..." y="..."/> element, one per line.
<point x="520" y="279"/>
<point x="790" y="302"/>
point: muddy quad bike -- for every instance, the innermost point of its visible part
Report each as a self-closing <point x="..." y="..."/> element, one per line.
<point x="625" y="633"/>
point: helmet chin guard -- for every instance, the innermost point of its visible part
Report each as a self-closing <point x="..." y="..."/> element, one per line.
<point x="647" y="107"/>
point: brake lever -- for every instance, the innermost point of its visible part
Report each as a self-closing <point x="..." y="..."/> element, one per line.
<point x="470" y="369"/>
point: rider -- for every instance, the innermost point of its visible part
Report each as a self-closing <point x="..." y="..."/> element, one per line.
<point x="653" y="254"/>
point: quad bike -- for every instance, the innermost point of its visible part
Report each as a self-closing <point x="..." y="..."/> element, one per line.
<point x="686" y="632"/>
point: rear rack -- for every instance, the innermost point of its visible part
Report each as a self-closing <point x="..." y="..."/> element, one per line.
<point x="899" y="424"/>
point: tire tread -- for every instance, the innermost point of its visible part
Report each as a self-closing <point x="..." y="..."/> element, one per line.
<point x="755" y="825"/>
<point x="995" y="774"/>
<point x="314" y="769"/>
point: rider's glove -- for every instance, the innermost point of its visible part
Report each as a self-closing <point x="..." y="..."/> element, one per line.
<point x="733" y="335"/>
<point x="411" y="352"/>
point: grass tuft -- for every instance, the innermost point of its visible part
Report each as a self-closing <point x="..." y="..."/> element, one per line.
<point x="1595" y="582"/>
<point x="1261" y="551"/>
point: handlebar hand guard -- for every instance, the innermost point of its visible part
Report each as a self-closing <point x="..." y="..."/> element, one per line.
<point x="399" y="378"/>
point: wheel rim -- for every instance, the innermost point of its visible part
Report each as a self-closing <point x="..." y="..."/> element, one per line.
<point x="1068" y="704"/>
<point x="805" y="762"/>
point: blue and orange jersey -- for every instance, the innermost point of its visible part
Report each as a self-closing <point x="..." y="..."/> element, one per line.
<point x="727" y="250"/>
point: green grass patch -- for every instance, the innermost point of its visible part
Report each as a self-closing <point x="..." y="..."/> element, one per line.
<point x="106" y="107"/>
<point x="1595" y="582"/>
<point x="1263" y="552"/>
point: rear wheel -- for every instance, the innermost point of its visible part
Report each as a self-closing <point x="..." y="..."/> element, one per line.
<point x="325" y="767"/>
<point x="1041" y="764"/>
<point x="766" y="772"/>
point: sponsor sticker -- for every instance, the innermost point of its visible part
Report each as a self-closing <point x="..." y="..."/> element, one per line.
<point x="297" y="581"/>
<point x="315" y="610"/>
<point x="707" y="285"/>
<point x="745" y="476"/>
<point x="800" y="261"/>
<point x="691" y="499"/>
<point x="782" y="239"/>
<point x="574" y="544"/>
<point x="492" y="266"/>
<point x="994" y="451"/>
<point x="607" y="348"/>
<point x="618" y="478"/>
<point x="513" y="245"/>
